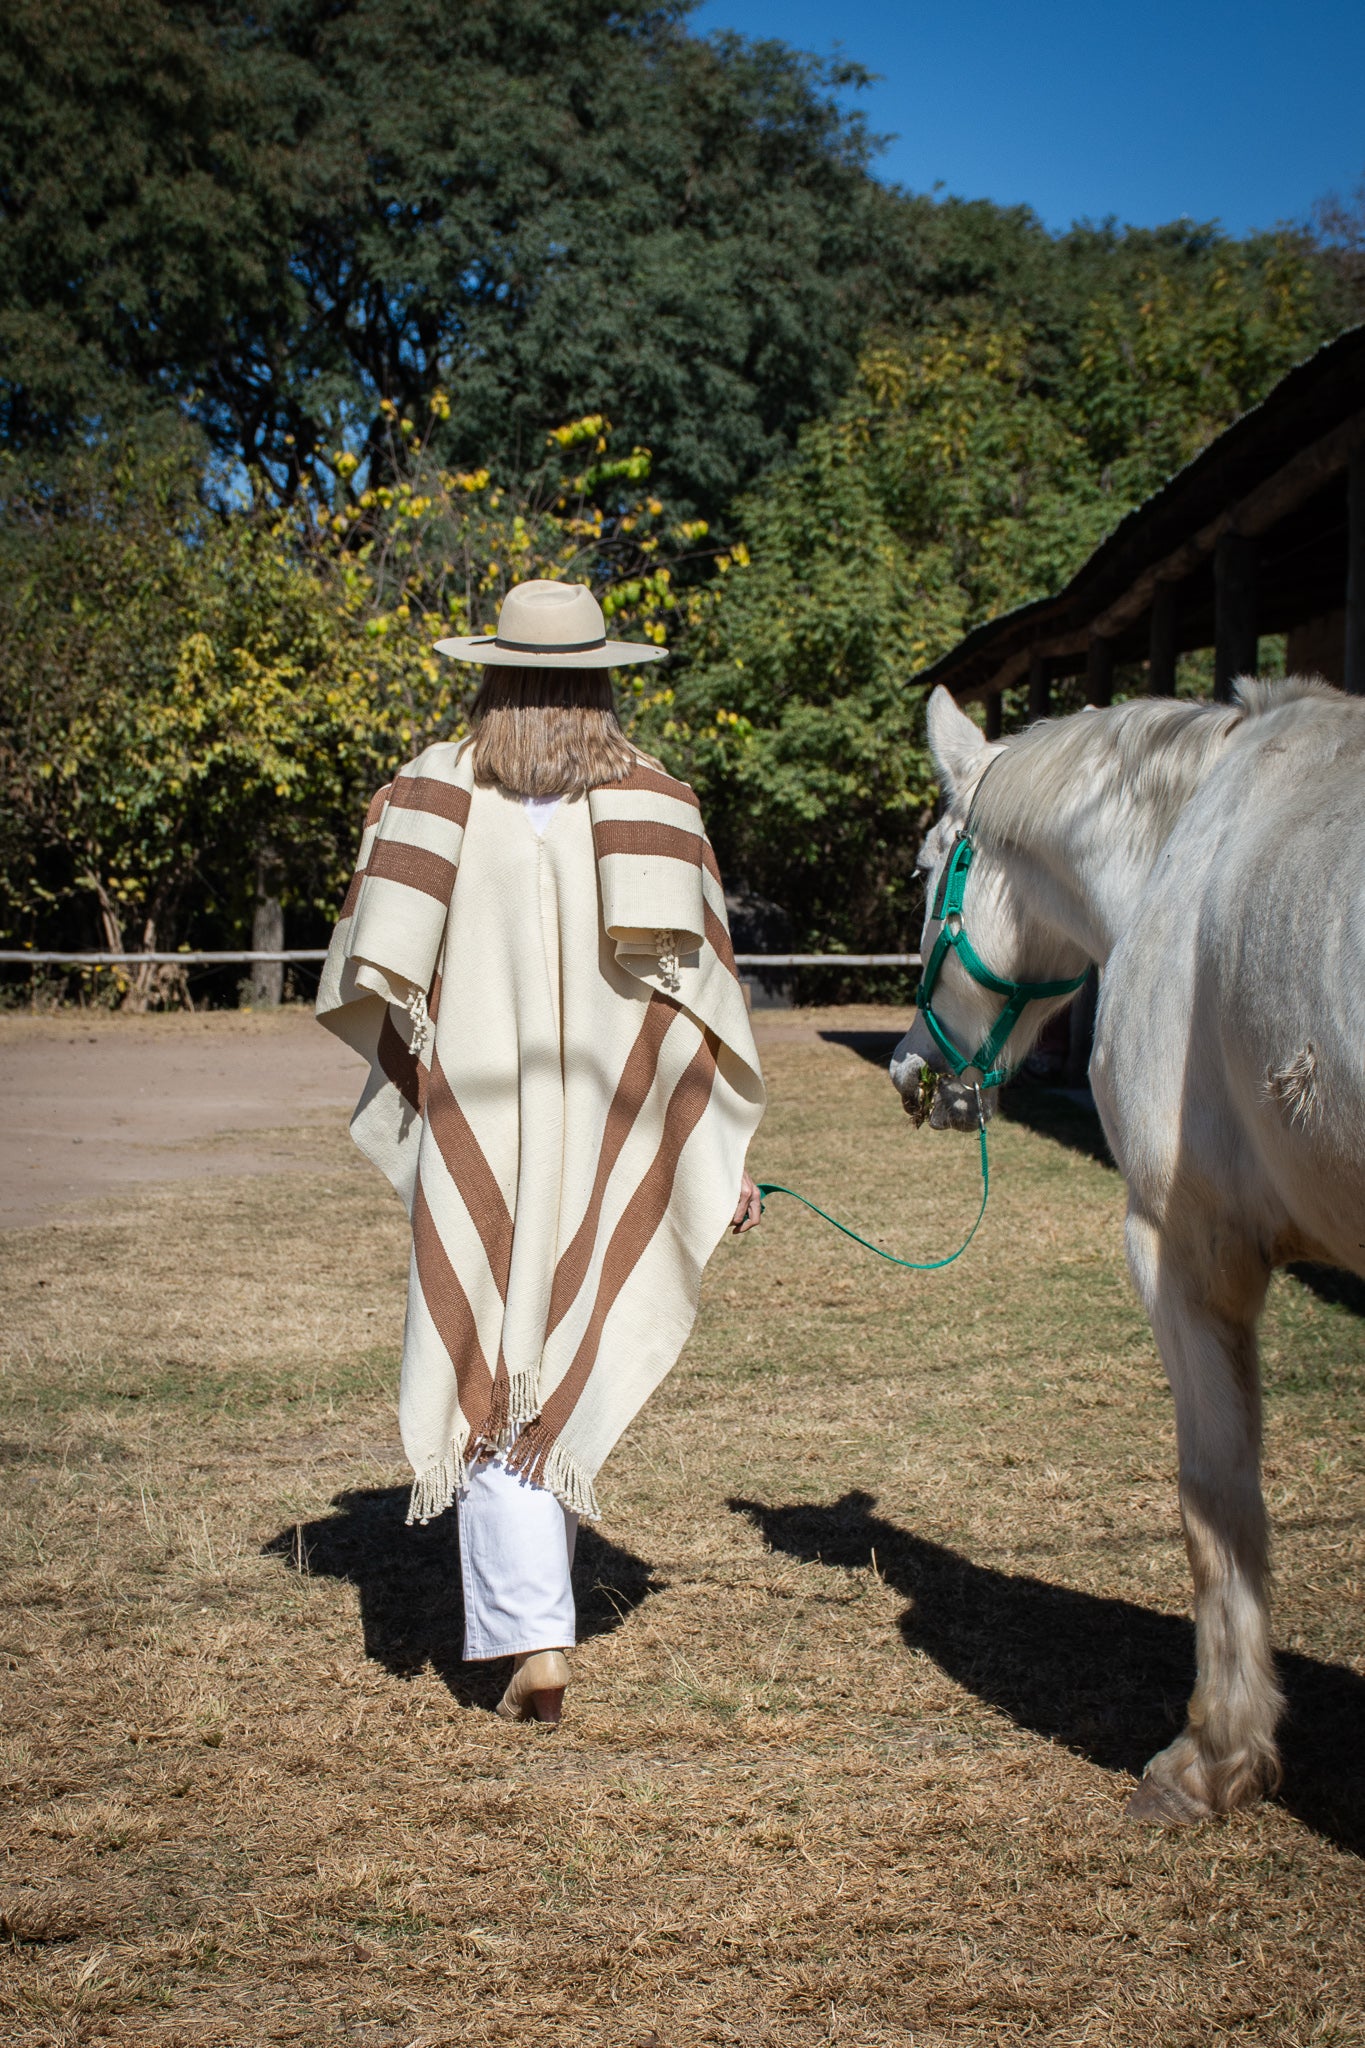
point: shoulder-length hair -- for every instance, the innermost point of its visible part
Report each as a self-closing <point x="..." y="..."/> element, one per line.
<point x="548" y="731"/>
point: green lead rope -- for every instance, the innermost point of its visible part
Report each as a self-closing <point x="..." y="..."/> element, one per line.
<point x="772" y="1187"/>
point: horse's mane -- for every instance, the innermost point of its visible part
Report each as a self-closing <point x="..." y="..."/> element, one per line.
<point x="1147" y="756"/>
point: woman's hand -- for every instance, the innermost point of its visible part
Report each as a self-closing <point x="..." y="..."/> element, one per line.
<point x="750" y="1210"/>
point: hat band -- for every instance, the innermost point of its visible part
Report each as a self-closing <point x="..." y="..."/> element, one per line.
<point x="541" y="647"/>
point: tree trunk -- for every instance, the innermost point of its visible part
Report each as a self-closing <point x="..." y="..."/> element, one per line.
<point x="267" y="933"/>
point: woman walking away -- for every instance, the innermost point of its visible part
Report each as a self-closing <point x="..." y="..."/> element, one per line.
<point x="534" y="958"/>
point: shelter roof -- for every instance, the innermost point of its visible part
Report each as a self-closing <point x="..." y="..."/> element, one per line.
<point x="1268" y="474"/>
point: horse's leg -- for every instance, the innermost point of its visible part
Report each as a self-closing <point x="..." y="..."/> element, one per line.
<point x="1205" y="1325"/>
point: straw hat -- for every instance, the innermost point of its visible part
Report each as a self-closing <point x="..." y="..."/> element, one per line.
<point x="549" y="625"/>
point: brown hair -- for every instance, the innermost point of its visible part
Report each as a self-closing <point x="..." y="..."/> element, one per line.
<point x="548" y="731"/>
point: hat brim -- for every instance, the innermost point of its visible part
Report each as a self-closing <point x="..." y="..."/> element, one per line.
<point x="487" y="653"/>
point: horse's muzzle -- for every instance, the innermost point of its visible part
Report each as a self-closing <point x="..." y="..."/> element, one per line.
<point x="929" y="1095"/>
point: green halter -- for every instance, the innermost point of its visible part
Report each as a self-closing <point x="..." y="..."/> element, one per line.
<point x="953" y="938"/>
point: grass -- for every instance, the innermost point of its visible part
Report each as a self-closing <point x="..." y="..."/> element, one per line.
<point x="889" y="1606"/>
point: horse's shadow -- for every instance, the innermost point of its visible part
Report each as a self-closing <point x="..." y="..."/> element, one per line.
<point x="408" y="1581"/>
<point x="1051" y="1112"/>
<point x="1106" y="1677"/>
<point x="876" y="1047"/>
<point x="1330" y="1284"/>
<point x="1055" y="1114"/>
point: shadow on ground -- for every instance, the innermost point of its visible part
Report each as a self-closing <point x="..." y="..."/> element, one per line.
<point x="411" y="1607"/>
<point x="1107" y="1678"/>
<point x="1342" y="1290"/>
<point x="1058" y="1116"/>
<point x="1048" y="1111"/>
<point x="876" y="1047"/>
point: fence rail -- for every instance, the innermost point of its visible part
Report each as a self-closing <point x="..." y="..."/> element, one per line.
<point x="300" y="956"/>
<point x="827" y="959"/>
<point x="15" y="958"/>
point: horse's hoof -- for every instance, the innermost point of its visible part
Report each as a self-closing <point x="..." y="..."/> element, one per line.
<point x="1159" y="1803"/>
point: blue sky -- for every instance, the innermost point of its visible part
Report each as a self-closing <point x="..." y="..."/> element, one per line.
<point x="1241" y="113"/>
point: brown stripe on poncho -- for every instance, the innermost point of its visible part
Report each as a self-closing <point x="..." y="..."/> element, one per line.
<point x="562" y="1088"/>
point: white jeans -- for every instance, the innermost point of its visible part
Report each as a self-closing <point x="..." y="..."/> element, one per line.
<point x="516" y="1541"/>
<point x="516" y="1554"/>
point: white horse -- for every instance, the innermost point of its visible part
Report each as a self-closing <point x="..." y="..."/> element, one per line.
<point x="1211" y="860"/>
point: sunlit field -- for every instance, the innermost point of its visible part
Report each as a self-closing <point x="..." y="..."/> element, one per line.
<point x="888" y="1609"/>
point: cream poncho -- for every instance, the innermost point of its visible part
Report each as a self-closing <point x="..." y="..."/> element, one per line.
<point x="563" y="1085"/>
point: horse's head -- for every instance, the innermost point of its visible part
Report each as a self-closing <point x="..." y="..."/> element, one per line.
<point x="977" y="933"/>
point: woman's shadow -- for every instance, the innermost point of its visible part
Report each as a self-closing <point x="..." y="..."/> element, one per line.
<point x="1106" y="1677"/>
<point x="408" y="1580"/>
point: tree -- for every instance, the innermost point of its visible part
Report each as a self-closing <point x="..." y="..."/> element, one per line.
<point x="1339" y="224"/>
<point x="280" y="216"/>
<point x="285" y="215"/>
<point x="402" y="261"/>
<point x="1165" y="363"/>
<point x="146" y="188"/>
<point x="196" y="707"/>
<point x="174" y="701"/>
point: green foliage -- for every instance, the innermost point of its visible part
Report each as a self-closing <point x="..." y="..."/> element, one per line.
<point x="1163" y="367"/>
<point x="187" y="696"/>
<point x="437" y="549"/>
<point x="173" y="692"/>
<point x="285" y="214"/>
<point x="146" y="177"/>
<point x="962" y="475"/>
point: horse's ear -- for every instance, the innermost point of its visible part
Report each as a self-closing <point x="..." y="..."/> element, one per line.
<point x="955" y="743"/>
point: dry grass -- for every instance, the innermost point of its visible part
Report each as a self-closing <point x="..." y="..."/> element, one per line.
<point x="889" y="1606"/>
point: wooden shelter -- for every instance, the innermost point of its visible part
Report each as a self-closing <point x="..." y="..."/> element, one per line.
<point x="1264" y="532"/>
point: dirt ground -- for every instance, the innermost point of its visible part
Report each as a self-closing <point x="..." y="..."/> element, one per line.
<point x="96" y="1102"/>
<point x="888" y="1608"/>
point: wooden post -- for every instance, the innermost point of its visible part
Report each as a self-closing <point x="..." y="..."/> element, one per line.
<point x="1234" y="648"/>
<point x="1161" y="648"/>
<point x="267" y="933"/>
<point x="1354" y="673"/>
<point x="995" y="714"/>
<point x="1039" y="689"/>
<point x="1099" y="672"/>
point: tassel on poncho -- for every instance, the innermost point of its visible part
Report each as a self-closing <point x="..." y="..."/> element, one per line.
<point x="563" y="1085"/>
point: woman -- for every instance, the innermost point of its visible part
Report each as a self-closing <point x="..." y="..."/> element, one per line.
<point x="535" y="960"/>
